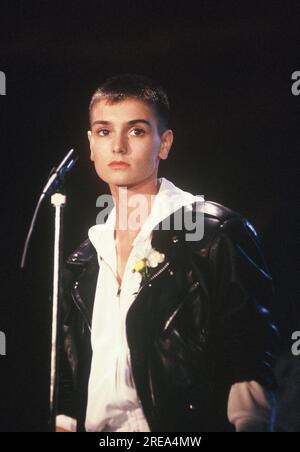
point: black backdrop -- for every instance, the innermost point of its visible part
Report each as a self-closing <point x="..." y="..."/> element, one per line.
<point x="227" y="68"/>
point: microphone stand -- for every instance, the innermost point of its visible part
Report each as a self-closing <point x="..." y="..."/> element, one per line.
<point x="58" y="200"/>
<point x="53" y="188"/>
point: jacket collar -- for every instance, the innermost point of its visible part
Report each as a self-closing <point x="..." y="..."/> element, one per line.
<point x="82" y="256"/>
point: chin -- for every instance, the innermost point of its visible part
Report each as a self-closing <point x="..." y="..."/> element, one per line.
<point x="120" y="180"/>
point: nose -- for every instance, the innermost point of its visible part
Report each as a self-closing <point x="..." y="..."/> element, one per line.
<point x="119" y="144"/>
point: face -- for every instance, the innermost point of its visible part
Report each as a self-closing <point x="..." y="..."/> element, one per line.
<point x="127" y="132"/>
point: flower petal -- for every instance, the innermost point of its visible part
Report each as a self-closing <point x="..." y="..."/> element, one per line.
<point x="137" y="278"/>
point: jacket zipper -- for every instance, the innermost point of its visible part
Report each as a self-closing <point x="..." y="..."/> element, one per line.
<point x="153" y="277"/>
<point x="170" y="319"/>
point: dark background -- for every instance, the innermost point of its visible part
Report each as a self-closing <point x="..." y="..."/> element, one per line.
<point x="227" y="69"/>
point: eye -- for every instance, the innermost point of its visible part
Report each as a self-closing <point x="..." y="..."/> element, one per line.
<point x="137" y="132"/>
<point x="102" y="132"/>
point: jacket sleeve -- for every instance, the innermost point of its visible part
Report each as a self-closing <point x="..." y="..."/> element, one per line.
<point x="66" y="396"/>
<point x="244" y="336"/>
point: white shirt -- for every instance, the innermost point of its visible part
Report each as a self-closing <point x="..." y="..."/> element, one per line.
<point x="113" y="403"/>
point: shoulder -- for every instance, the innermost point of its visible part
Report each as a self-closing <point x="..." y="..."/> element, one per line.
<point x="217" y="215"/>
<point x="83" y="260"/>
<point x="227" y="222"/>
<point x="218" y="219"/>
<point x="218" y="211"/>
<point x="82" y="255"/>
<point x="226" y="231"/>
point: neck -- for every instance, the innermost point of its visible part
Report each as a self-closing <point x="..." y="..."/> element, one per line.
<point x="131" y="212"/>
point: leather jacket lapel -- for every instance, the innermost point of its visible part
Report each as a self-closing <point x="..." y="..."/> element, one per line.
<point x="84" y="265"/>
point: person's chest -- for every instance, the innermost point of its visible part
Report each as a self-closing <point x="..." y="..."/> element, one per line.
<point x="123" y="250"/>
<point x="113" y="299"/>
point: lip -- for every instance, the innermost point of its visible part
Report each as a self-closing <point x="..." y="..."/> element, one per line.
<point x="119" y="165"/>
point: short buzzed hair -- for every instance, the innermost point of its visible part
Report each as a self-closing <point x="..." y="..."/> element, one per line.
<point x="133" y="86"/>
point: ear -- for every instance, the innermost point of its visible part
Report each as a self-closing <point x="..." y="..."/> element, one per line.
<point x="89" y="135"/>
<point x="166" y="143"/>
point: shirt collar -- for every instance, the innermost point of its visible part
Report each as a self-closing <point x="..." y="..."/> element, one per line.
<point x="168" y="199"/>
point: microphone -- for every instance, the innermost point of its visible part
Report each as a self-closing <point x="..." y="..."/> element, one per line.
<point x="55" y="181"/>
<point x="58" y="174"/>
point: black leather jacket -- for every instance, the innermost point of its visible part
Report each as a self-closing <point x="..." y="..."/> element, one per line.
<point x="198" y="325"/>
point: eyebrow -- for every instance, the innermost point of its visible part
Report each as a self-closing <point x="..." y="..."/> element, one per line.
<point x="130" y="123"/>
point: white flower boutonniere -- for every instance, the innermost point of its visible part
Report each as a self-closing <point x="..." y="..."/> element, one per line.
<point x="143" y="266"/>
